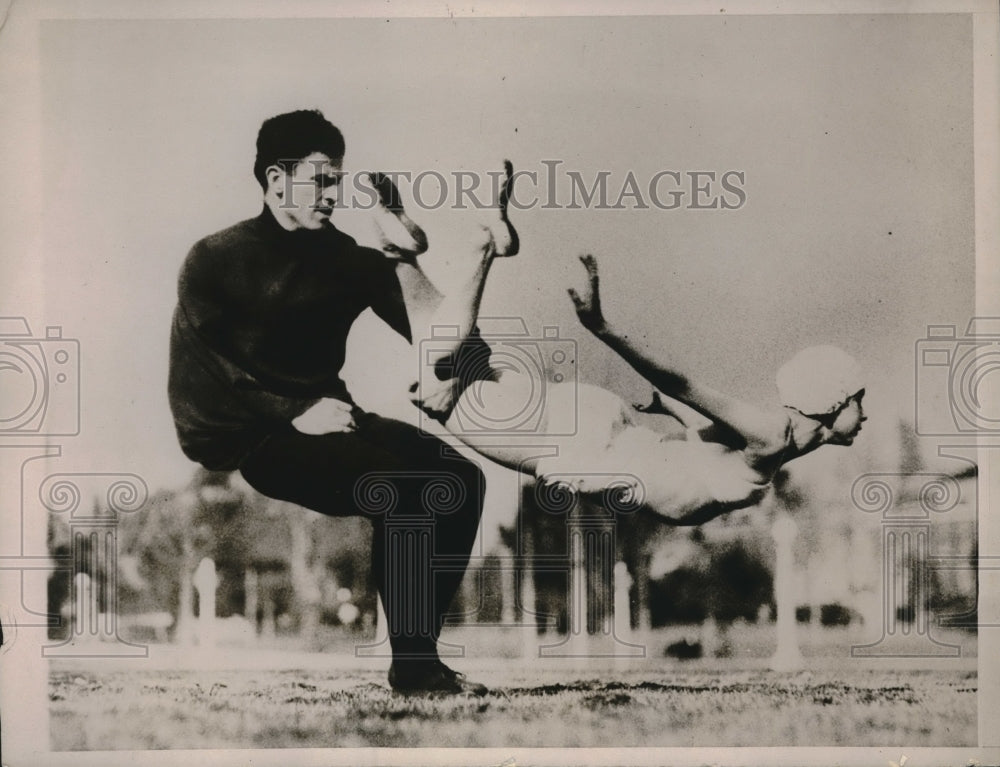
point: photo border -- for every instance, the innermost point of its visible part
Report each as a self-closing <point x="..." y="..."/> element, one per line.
<point x="23" y="696"/>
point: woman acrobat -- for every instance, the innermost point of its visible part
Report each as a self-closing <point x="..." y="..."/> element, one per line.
<point x="726" y="466"/>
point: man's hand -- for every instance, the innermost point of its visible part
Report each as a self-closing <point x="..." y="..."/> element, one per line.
<point x="326" y="417"/>
<point x="588" y="305"/>
<point x="438" y="399"/>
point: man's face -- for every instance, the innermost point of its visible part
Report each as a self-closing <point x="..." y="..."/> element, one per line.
<point x="307" y="195"/>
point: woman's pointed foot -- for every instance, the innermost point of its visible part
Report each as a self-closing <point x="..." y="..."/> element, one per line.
<point x="399" y="236"/>
<point x="504" y="236"/>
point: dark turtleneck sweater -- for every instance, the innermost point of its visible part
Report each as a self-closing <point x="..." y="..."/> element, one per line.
<point x="260" y="330"/>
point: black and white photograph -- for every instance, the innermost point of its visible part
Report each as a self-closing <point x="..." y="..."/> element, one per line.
<point x="505" y="384"/>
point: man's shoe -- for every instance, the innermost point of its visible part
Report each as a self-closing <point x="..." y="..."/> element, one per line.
<point x="433" y="678"/>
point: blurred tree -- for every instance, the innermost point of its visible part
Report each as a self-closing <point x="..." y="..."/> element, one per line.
<point x="176" y="530"/>
<point x="60" y="543"/>
<point x="246" y="534"/>
<point x="341" y="549"/>
<point x="732" y="580"/>
<point x="911" y="459"/>
<point x="790" y="495"/>
<point x="741" y="581"/>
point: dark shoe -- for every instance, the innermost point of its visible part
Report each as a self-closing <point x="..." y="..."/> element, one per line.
<point x="433" y="678"/>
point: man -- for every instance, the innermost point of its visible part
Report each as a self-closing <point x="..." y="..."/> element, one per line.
<point x="257" y="343"/>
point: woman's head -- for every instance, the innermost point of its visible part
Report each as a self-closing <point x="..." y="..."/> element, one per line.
<point x="824" y="383"/>
<point x="847" y="421"/>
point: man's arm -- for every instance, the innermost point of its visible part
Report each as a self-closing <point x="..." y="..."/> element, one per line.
<point x="391" y="283"/>
<point x="754" y="425"/>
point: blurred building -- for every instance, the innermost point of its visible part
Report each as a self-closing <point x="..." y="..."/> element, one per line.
<point x="861" y="535"/>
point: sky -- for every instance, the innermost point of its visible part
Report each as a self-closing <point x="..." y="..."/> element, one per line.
<point x="852" y="135"/>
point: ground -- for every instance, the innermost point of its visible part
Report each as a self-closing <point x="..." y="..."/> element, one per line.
<point x="335" y="700"/>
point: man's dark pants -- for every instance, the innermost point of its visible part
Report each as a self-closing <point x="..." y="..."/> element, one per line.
<point x="424" y="501"/>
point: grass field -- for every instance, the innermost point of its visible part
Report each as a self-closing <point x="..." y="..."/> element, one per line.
<point x="155" y="709"/>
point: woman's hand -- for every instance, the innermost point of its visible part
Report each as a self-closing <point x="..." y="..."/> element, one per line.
<point x="588" y="304"/>
<point x="438" y="399"/>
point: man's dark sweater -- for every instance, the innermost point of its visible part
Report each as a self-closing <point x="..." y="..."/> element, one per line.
<point x="260" y="331"/>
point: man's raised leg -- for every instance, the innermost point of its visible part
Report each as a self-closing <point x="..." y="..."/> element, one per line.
<point x="424" y="502"/>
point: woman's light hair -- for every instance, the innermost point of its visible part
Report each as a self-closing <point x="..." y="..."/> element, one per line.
<point x="819" y="380"/>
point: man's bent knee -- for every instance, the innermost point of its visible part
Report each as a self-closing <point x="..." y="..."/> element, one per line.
<point x="458" y="485"/>
<point x="470" y="475"/>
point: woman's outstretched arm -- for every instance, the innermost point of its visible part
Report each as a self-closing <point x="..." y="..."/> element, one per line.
<point x="754" y="425"/>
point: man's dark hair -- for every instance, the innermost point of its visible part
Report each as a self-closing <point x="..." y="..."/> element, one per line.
<point x="286" y="139"/>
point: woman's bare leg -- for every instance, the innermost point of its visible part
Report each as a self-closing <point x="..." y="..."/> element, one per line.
<point x="479" y="414"/>
<point x="427" y="308"/>
<point x="449" y="320"/>
<point x="457" y="312"/>
<point x="751" y="425"/>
